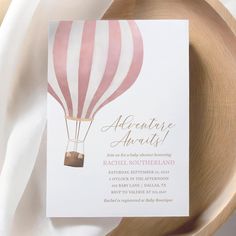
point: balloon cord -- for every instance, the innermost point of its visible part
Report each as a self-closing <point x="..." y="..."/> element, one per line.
<point x="77" y="132"/>
<point x="67" y="129"/>
<point x="87" y="130"/>
<point x="77" y="136"/>
<point x="67" y="145"/>
<point x="75" y="143"/>
<point x="76" y="124"/>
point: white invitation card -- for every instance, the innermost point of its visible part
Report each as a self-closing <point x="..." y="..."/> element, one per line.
<point x="118" y="118"/>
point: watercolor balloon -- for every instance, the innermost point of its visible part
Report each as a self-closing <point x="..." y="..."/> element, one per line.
<point x="94" y="62"/>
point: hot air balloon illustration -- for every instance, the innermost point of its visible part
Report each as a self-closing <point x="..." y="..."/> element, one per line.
<point x="91" y="63"/>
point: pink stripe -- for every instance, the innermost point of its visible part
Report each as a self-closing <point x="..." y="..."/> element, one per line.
<point x="85" y="62"/>
<point x="135" y="67"/>
<point x="114" y="50"/>
<point x="52" y="92"/>
<point x="60" y="60"/>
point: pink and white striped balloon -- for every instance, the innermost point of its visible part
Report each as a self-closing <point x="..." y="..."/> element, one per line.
<point x="91" y="63"/>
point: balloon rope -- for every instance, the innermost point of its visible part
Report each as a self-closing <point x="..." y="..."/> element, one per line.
<point x="67" y="129"/>
<point x="76" y="124"/>
<point x="67" y="145"/>
<point x="77" y="135"/>
<point x="87" y="130"/>
<point x="75" y="144"/>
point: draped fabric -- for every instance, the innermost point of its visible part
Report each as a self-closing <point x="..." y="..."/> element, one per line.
<point x="23" y="76"/>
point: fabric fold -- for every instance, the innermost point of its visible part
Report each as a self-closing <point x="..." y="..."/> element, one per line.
<point x="23" y="77"/>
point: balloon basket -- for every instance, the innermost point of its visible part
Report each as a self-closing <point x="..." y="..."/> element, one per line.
<point x="77" y="132"/>
<point x="74" y="159"/>
<point x="74" y="155"/>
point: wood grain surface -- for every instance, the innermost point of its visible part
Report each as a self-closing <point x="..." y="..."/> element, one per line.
<point x="4" y="4"/>
<point x="212" y="114"/>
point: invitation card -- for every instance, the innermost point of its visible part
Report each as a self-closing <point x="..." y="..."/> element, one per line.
<point x="118" y="118"/>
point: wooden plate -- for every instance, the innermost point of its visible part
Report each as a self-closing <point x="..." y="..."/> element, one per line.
<point x="3" y="8"/>
<point x="212" y="114"/>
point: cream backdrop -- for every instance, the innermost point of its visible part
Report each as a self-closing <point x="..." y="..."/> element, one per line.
<point x="23" y="73"/>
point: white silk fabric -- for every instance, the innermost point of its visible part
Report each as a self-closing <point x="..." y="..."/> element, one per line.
<point x="23" y="76"/>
